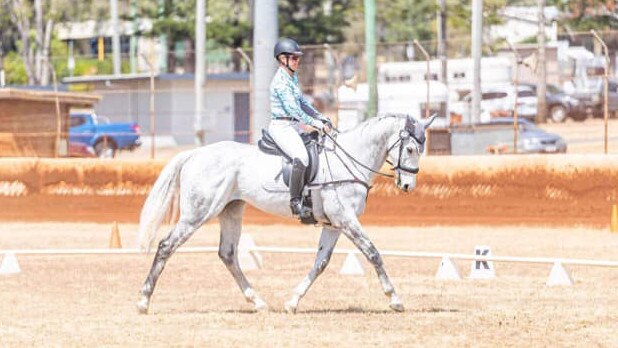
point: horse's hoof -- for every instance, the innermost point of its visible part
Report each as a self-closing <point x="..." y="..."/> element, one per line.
<point x="397" y="307"/>
<point x="261" y="306"/>
<point x="290" y="307"/>
<point x="142" y="306"/>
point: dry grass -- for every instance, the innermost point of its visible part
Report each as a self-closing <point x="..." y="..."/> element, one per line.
<point x="89" y="300"/>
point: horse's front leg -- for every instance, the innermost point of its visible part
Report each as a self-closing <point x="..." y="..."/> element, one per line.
<point x="354" y="231"/>
<point x="328" y="240"/>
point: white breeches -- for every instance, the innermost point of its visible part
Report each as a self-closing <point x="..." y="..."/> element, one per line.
<point x="286" y="135"/>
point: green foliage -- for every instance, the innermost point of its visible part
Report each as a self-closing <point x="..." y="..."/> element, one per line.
<point x="586" y="23"/>
<point x="228" y="22"/>
<point x="584" y="15"/>
<point x="14" y="69"/>
<point x="406" y="20"/>
<point x="308" y="22"/>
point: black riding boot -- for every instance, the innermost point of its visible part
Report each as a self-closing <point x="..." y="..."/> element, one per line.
<point x="297" y="182"/>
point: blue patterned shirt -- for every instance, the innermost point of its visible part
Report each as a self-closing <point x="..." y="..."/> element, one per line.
<point x="287" y="100"/>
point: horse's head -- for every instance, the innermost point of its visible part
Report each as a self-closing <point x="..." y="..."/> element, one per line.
<point x="406" y="149"/>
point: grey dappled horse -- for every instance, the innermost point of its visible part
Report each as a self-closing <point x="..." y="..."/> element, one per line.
<point x="217" y="180"/>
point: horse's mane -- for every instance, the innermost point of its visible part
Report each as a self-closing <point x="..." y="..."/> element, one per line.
<point x="371" y="122"/>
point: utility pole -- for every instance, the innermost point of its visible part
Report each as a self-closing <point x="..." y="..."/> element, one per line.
<point x="133" y="43"/>
<point x="477" y="42"/>
<point x="163" y="38"/>
<point x="265" y="33"/>
<point x="541" y="90"/>
<point x="200" y="69"/>
<point x="370" y="52"/>
<point x="442" y="40"/>
<point x="115" y="37"/>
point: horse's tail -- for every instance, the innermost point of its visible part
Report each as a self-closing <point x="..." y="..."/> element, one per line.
<point x="160" y="199"/>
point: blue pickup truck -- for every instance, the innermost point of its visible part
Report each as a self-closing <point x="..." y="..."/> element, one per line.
<point x="104" y="137"/>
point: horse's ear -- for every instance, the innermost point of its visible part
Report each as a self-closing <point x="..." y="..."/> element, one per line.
<point x="429" y="121"/>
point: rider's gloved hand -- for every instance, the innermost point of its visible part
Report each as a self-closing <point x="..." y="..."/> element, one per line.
<point x="326" y="122"/>
<point x="317" y="126"/>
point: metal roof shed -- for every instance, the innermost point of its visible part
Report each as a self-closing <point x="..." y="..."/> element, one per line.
<point x="35" y="123"/>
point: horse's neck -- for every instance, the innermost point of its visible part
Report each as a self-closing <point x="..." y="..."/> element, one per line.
<point x="368" y="143"/>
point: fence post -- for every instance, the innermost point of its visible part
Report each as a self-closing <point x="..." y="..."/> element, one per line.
<point x="605" y="88"/>
<point x="516" y="84"/>
<point x="149" y="62"/>
<point x="58" y="118"/>
<point x="333" y="83"/>
<point x="250" y="64"/>
<point x="427" y="101"/>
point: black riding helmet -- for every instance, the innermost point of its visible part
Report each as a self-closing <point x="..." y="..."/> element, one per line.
<point x="288" y="47"/>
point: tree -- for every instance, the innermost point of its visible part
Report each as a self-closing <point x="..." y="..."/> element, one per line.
<point x="314" y="21"/>
<point x="405" y="20"/>
<point x="460" y="20"/>
<point x="589" y="14"/>
<point x="228" y="25"/>
<point x="34" y="51"/>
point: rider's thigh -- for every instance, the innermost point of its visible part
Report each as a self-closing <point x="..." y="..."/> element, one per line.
<point x="289" y="141"/>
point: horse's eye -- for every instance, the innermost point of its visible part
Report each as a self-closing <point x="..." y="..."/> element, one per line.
<point x="409" y="149"/>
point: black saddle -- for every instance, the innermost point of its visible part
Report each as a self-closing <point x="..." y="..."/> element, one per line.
<point x="268" y="145"/>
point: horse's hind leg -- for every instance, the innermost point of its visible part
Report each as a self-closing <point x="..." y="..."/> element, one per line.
<point x="354" y="231"/>
<point x="230" y="220"/>
<point x="328" y="240"/>
<point x="179" y="234"/>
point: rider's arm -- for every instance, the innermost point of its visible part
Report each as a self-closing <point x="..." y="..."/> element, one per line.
<point x="310" y="110"/>
<point x="306" y="106"/>
<point x="292" y="107"/>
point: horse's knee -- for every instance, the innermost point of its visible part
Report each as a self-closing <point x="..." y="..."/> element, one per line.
<point x="227" y="256"/>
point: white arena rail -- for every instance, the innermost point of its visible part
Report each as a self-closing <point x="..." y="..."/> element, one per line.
<point x="291" y="250"/>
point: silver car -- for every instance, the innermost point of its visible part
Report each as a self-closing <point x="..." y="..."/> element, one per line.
<point x="532" y="139"/>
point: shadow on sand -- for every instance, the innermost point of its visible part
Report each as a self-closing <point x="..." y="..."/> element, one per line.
<point x="349" y="310"/>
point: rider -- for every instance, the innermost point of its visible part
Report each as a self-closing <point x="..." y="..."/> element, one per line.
<point x="289" y="111"/>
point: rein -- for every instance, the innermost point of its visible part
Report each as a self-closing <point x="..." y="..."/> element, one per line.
<point x="403" y="134"/>
<point x="358" y="162"/>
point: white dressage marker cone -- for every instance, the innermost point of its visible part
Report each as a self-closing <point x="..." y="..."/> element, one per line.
<point x="559" y="275"/>
<point x="9" y="264"/>
<point x="482" y="269"/>
<point x="247" y="259"/>
<point x="351" y="266"/>
<point x="448" y="270"/>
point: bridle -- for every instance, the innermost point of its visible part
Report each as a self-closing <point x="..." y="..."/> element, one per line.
<point x="406" y="133"/>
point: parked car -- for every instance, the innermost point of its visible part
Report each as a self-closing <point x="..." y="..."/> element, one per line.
<point x="532" y="139"/>
<point x="498" y="101"/>
<point x="560" y="105"/>
<point x="104" y="137"/>
<point x="592" y="96"/>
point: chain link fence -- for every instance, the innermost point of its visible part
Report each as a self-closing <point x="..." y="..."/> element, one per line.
<point x="572" y="63"/>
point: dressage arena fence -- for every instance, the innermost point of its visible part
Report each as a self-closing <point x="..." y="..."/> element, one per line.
<point x="446" y="271"/>
<point x="562" y="190"/>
